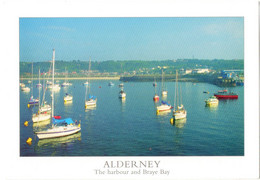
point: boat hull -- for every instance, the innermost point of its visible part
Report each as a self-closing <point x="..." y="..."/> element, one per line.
<point x="163" y="108"/>
<point x="156" y="98"/>
<point x="90" y="103"/>
<point x="58" y="132"/>
<point x="222" y="96"/>
<point x="68" y="98"/>
<point x="122" y="95"/>
<point x="179" y="114"/>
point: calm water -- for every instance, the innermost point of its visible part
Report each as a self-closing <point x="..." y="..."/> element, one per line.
<point x="132" y="128"/>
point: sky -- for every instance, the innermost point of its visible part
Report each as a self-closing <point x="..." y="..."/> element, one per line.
<point x="131" y="38"/>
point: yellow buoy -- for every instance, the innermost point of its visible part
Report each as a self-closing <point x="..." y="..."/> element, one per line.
<point x="26" y="123"/>
<point x="28" y="105"/>
<point x="172" y="120"/>
<point x="157" y="111"/>
<point x="29" y="141"/>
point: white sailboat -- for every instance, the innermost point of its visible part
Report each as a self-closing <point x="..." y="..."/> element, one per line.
<point x="178" y="112"/>
<point x="90" y="100"/>
<point x="122" y="94"/>
<point x="40" y="116"/>
<point x="68" y="97"/>
<point x="39" y="84"/>
<point x="25" y="89"/>
<point x="66" y="83"/>
<point x="60" y="127"/>
<point x="164" y="91"/>
<point x="212" y="101"/>
<point x="31" y="100"/>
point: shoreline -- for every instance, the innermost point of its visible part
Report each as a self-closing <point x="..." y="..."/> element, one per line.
<point x="76" y="78"/>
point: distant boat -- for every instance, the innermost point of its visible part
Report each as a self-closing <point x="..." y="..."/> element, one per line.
<point x="206" y="92"/>
<point x="122" y="94"/>
<point x="156" y="97"/>
<point x="56" y="87"/>
<point x="49" y="83"/>
<point x="226" y="95"/>
<point x="65" y="84"/>
<point x="25" y="89"/>
<point x="121" y="85"/>
<point x="165" y="106"/>
<point x="178" y="112"/>
<point x="32" y="101"/>
<point x="68" y="97"/>
<point x="111" y="84"/>
<point x="90" y="100"/>
<point x="154" y="83"/>
<point x="86" y="83"/>
<point x="60" y="127"/>
<point x="212" y="101"/>
<point x="22" y="85"/>
<point x="39" y="84"/>
<point x="164" y="92"/>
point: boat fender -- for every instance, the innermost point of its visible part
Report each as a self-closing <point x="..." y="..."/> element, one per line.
<point x="28" y="105"/>
<point x="78" y="125"/>
<point x="29" y="141"/>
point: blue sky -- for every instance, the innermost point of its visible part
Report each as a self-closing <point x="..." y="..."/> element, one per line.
<point x="131" y="38"/>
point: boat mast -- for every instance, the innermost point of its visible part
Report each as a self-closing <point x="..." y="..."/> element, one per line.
<point x="39" y="92"/>
<point x="175" y="96"/>
<point x="52" y="94"/>
<point x="162" y="80"/>
<point x="89" y="66"/>
<point x="32" y="79"/>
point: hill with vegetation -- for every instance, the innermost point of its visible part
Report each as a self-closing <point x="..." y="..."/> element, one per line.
<point x="129" y="67"/>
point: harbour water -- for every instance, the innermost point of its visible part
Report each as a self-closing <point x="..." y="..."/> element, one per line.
<point x="131" y="127"/>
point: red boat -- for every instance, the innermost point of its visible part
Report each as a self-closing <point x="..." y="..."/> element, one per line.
<point x="226" y="95"/>
<point x="156" y="98"/>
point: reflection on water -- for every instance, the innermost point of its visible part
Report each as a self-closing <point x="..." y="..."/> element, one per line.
<point x="179" y="123"/>
<point x="163" y="113"/>
<point x="122" y="101"/>
<point x="212" y="107"/>
<point x="68" y="103"/>
<point x="90" y="108"/>
<point x="53" y="142"/>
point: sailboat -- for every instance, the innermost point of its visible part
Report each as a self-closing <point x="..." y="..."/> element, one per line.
<point x="156" y="96"/>
<point x="178" y="112"/>
<point x="65" y="84"/>
<point x="39" y="84"/>
<point x="165" y="106"/>
<point x="68" y="97"/>
<point x="122" y="93"/>
<point x="90" y="100"/>
<point x="164" y="92"/>
<point x="40" y="116"/>
<point x="31" y="100"/>
<point x="60" y="127"/>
